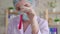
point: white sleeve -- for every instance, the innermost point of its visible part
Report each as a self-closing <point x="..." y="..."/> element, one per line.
<point x="44" y="28"/>
<point x="43" y="25"/>
<point x="39" y="32"/>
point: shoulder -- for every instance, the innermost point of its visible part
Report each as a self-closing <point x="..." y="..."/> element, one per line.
<point x="41" y="20"/>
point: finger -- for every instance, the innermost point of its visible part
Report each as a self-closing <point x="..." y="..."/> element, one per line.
<point x="27" y="12"/>
<point x="27" y="5"/>
<point x="30" y="14"/>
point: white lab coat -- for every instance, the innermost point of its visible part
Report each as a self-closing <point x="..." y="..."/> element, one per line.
<point x="13" y="29"/>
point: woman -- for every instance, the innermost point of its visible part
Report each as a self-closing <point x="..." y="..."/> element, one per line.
<point x="27" y="22"/>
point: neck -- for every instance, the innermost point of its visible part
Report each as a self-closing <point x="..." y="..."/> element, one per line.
<point x="25" y="25"/>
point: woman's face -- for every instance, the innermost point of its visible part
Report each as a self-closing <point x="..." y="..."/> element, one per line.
<point x="22" y="3"/>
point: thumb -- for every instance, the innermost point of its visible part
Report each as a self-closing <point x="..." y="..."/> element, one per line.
<point x="33" y="11"/>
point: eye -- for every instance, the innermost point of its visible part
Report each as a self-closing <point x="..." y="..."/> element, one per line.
<point x="26" y="5"/>
<point x="18" y="8"/>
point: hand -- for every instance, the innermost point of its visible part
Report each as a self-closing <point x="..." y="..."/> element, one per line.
<point x="32" y="21"/>
<point x="30" y="15"/>
<point x="28" y="10"/>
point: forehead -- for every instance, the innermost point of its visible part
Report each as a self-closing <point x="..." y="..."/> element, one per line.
<point x="23" y="2"/>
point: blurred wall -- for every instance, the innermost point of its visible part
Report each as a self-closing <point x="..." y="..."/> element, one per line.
<point x="3" y="5"/>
